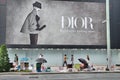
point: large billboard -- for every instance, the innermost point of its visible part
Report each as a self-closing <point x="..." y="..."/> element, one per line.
<point x="55" y="22"/>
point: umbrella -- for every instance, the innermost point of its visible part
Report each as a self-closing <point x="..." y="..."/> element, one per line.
<point x="41" y="60"/>
<point x="24" y="59"/>
<point x="83" y="61"/>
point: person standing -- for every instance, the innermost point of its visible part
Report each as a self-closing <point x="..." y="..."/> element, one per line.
<point x="65" y="60"/>
<point x="88" y="59"/>
<point x="32" y="24"/>
<point x="16" y="60"/>
<point x="72" y="59"/>
<point x="90" y="66"/>
<point x="40" y="60"/>
<point x="38" y="65"/>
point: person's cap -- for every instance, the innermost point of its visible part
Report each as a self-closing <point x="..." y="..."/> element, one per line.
<point x="37" y="4"/>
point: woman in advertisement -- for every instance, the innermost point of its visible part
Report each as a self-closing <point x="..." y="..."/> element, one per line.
<point x="32" y="24"/>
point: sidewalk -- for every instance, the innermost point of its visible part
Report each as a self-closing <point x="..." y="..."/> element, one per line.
<point x="43" y="73"/>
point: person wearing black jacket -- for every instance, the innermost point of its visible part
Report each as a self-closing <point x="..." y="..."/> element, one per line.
<point x="32" y="24"/>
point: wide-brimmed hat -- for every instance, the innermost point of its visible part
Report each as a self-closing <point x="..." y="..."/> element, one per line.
<point x="37" y="4"/>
